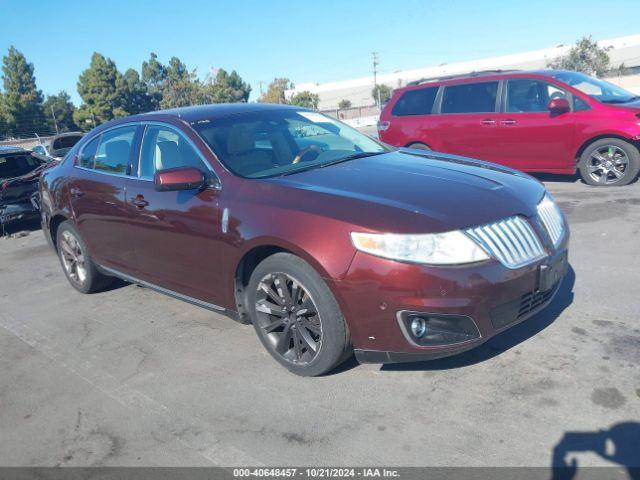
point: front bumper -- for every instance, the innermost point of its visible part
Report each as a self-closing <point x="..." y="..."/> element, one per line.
<point x="14" y="212"/>
<point x="495" y="298"/>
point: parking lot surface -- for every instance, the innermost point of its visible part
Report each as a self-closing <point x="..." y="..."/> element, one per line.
<point x="131" y="377"/>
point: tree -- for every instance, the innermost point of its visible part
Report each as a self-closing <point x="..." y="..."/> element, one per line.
<point x="305" y="99"/>
<point x="586" y="57"/>
<point x="61" y="107"/>
<point x="180" y="87"/>
<point x="385" y="93"/>
<point x="100" y="87"/>
<point x="225" y="88"/>
<point x="344" y="103"/>
<point x="135" y="96"/>
<point x="153" y="76"/>
<point x="21" y="101"/>
<point x="276" y="91"/>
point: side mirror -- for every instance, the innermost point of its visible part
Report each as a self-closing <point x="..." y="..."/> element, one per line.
<point x="182" y="178"/>
<point x="558" y="106"/>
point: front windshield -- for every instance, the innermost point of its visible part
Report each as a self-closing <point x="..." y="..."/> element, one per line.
<point x="600" y="90"/>
<point x="269" y="143"/>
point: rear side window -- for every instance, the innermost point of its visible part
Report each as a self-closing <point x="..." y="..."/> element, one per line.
<point x="415" y="102"/>
<point x="114" y="150"/>
<point x="87" y="156"/>
<point x="470" y="98"/>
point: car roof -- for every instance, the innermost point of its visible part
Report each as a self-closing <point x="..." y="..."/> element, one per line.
<point x="9" y="149"/>
<point x="484" y="75"/>
<point x="211" y="111"/>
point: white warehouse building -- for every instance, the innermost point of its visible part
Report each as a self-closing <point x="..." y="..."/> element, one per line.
<point x="623" y="50"/>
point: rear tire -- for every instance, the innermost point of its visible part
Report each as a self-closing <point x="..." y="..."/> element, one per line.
<point x="296" y="317"/>
<point x="76" y="262"/>
<point x="609" y="162"/>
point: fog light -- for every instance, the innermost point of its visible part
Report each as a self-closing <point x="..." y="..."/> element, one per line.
<point x="418" y="327"/>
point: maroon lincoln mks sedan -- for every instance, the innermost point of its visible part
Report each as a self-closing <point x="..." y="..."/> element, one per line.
<point x="327" y="241"/>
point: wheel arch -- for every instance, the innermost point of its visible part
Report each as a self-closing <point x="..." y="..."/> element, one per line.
<point x="603" y="136"/>
<point x="261" y="248"/>
<point x="54" y="223"/>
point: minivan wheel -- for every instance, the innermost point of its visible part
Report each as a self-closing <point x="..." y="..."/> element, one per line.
<point x="76" y="262"/>
<point x="609" y="162"/>
<point x="419" y="146"/>
<point x="296" y="317"/>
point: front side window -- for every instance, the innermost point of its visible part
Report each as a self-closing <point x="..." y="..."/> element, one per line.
<point x="114" y="150"/>
<point x="415" y="102"/>
<point x="164" y="148"/>
<point x="526" y="95"/>
<point x="470" y="98"/>
<point x="269" y="143"/>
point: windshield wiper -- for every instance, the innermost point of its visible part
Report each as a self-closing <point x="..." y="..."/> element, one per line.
<point x="351" y="157"/>
<point x="334" y="162"/>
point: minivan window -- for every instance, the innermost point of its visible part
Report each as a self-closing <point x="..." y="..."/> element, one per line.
<point x="114" y="150"/>
<point x="470" y="98"/>
<point x="415" y="102"/>
<point x="600" y="90"/>
<point x="163" y="148"/>
<point x="88" y="154"/>
<point x="527" y="95"/>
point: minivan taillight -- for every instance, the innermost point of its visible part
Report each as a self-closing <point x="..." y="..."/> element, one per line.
<point x="382" y="126"/>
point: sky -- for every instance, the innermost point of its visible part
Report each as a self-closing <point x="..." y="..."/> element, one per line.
<point x="306" y="41"/>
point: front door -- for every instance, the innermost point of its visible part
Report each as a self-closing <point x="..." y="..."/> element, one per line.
<point x="531" y="136"/>
<point x="97" y="192"/>
<point x="176" y="233"/>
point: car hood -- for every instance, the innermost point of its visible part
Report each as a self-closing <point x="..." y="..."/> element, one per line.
<point x="407" y="190"/>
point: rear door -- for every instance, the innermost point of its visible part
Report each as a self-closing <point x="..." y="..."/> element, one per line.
<point x="531" y="137"/>
<point x="411" y="120"/>
<point x="97" y="191"/>
<point x="466" y="123"/>
<point x="175" y="234"/>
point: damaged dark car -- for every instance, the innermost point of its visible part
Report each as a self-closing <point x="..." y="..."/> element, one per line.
<point x="19" y="174"/>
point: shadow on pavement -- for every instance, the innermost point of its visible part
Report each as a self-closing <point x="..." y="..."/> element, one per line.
<point x="503" y="341"/>
<point x="620" y="444"/>
<point x="551" y="177"/>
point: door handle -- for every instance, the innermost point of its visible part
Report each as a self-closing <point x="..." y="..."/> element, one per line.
<point x="139" y="202"/>
<point x="76" y="192"/>
<point x="488" y="121"/>
<point x="508" y="122"/>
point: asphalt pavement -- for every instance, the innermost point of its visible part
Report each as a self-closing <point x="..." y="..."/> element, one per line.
<point x="131" y="377"/>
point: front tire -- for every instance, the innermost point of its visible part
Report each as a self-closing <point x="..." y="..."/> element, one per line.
<point x="76" y="262"/>
<point x="609" y="162"/>
<point x="419" y="146"/>
<point x="296" y="317"/>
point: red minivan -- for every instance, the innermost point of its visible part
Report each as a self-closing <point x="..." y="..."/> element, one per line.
<point x="550" y="121"/>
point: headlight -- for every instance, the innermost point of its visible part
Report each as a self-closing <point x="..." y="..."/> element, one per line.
<point x="449" y="248"/>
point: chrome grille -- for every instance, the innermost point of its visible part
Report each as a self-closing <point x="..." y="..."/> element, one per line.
<point x="512" y="241"/>
<point x="551" y="219"/>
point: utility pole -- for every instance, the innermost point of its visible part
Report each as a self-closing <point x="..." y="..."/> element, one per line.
<point x="375" y="76"/>
<point x="55" y="123"/>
